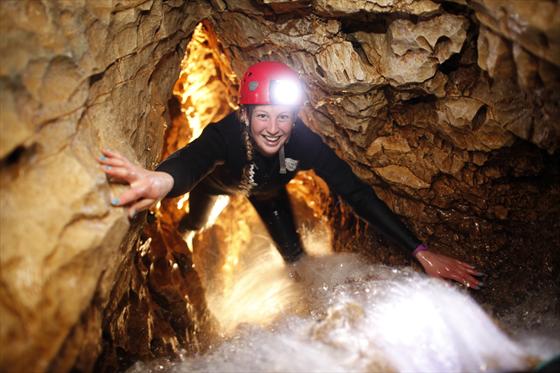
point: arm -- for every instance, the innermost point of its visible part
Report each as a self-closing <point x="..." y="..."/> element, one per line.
<point x="176" y="175"/>
<point x="340" y="177"/>
<point x="363" y="199"/>
<point x="191" y="164"/>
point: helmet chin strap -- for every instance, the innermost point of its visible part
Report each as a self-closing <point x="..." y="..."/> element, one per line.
<point x="282" y="160"/>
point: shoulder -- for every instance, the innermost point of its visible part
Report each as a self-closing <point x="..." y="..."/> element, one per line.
<point x="306" y="146"/>
<point x="226" y="130"/>
<point x="304" y="138"/>
<point x="303" y="133"/>
<point x="227" y="125"/>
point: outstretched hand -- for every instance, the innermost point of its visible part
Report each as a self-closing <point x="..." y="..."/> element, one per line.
<point x="145" y="187"/>
<point x="441" y="266"/>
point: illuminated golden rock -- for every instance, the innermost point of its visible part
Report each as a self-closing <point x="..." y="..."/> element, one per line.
<point x="453" y="118"/>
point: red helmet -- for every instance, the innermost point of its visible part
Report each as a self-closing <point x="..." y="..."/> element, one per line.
<point x="269" y="83"/>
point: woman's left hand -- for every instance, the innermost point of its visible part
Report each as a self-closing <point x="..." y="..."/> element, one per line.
<point x="441" y="266"/>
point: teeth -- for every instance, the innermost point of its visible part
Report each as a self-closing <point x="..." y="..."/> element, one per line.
<point x="271" y="138"/>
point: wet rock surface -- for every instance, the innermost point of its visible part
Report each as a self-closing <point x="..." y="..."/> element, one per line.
<point x="449" y="109"/>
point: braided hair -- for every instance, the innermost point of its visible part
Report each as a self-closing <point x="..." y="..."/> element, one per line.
<point x="248" y="174"/>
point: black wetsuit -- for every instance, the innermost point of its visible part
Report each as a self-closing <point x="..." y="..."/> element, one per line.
<point x="213" y="165"/>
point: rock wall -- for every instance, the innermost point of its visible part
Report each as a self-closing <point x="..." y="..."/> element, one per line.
<point x="75" y="76"/>
<point x="450" y="109"/>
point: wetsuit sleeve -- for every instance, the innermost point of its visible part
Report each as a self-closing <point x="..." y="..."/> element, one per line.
<point x="191" y="164"/>
<point x="359" y="195"/>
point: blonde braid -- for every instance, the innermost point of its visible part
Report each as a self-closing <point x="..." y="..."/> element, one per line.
<point x="248" y="174"/>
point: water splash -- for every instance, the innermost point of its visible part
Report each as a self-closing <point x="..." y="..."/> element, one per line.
<point x="345" y="315"/>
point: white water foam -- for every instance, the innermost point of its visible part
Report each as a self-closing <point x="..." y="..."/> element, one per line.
<point x="352" y="316"/>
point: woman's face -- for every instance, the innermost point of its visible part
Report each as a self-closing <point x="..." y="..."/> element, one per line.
<point x="271" y="126"/>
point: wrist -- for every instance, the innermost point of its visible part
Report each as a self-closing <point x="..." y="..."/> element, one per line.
<point x="419" y="249"/>
<point x="166" y="182"/>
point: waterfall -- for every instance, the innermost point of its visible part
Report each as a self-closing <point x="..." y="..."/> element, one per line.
<point x="337" y="313"/>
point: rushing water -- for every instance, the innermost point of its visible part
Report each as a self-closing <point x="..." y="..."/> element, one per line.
<point x="337" y="314"/>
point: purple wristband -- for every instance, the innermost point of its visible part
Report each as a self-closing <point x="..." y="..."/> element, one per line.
<point x="421" y="247"/>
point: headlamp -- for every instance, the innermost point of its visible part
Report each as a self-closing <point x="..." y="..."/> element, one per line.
<point x="285" y="92"/>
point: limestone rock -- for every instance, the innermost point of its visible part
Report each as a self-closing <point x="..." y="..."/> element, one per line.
<point x="533" y="26"/>
<point x="75" y="77"/>
<point x="401" y="175"/>
<point x="336" y="7"/>
<point x="410" y="53"/>
<point x="494" y="56"/>
<point x="450" y="109"/>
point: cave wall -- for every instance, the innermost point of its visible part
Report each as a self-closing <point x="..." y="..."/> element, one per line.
<point x="75" y="76"/>
<point x="449" y="109"/>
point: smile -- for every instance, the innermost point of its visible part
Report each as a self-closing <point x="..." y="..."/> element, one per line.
<point x="271" y="139"/>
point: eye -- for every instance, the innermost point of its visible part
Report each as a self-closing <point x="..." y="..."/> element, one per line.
<point x="262" y="116"/>
<point x="284" y="117"/>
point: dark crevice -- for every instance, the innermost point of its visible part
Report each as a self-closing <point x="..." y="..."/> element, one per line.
<point x="320" y="71"/>
<point x="357" y="46"/>
<point x="451" y="64"/>
<point x="479" y="118"/>
<point x="455" y="8"/>
<point x="366" y="22"/>
<point x="285" y="16"/>
<point x="96" y="77"/>
<point x="18" y="157"/>
<point x="15" y="156"/>
<point x="421" y="99"/>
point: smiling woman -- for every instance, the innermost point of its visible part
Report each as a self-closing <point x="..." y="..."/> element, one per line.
<point x="271" y="127"/>
<point x="223" y="161"/>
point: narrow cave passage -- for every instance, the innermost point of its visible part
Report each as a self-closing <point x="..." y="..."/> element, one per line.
<point x="261" y="309"/>
<point x="448" y="109"/>
<point x="234" y="251"/>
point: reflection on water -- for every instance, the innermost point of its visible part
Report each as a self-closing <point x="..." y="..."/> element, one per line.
<point x="338" y="314"/>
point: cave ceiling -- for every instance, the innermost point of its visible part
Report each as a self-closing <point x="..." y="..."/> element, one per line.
<point x="449" y="109"/>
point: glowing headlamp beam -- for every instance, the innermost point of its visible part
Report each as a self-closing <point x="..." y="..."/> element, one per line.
<point x="285" y="92"/>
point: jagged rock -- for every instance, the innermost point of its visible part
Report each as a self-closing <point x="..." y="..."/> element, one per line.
<point x="410" y="53"/>
<point x="449" y="109"/>
<point x="494" y="55"/>
<point x="533" y="26"/>
<point x="337" y="7"/>
<point x="75" y="77"/>
<point x="402" y="176"/>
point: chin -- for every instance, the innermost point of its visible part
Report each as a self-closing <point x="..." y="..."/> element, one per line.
<point x="269" y="151"/>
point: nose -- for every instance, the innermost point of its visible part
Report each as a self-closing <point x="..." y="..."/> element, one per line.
<point x="273" y="126"/>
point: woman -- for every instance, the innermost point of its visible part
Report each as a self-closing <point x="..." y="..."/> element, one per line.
<point x="257" y="151"/>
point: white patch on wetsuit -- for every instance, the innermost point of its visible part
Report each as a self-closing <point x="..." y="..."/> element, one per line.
<point x="291" y="164"/>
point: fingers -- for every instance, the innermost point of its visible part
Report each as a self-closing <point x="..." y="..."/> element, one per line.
<point x="111" y="158"/>
<point x="114" y="162"/>
<point x="470" y="281"/>
<point x="448" y="268"/>
<point x="463" y="264"/>
<point x="126" y="174"/>
<point x="460" y="272"/>
<point x="118" y="167"/>
<point x="475" y="272"/>
<point x="112" y="154"/>
<point x="131" y="195"/>
<point x="470" y="275"/>
<point x="463" y="278"/>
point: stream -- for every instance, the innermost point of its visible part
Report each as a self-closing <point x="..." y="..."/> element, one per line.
<point x="337" y="313"/>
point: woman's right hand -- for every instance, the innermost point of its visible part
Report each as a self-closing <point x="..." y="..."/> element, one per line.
<point x="146" y="187"/>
